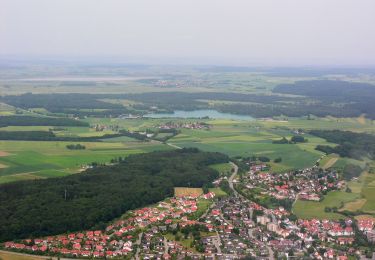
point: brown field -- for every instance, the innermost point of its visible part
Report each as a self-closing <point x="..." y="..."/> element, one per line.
<point x="354" y="205"/>
<point x="361" y="119"/>
<point x="2" y="154"/>
<point x="2" y="166"/>
<point x="14" y="256"/>
<point x="365" y="217"/>
<point x="183" y="191"/>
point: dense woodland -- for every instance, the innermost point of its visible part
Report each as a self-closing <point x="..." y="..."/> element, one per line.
<point x="350" y="97"/>
<point x="76" y="147"/>
<point x="38" y="121"/>
<point x="316" y="97"/>
<point x="92" y="198"/>
<point x="350" y="144"/>
<point x="50" y="136"/>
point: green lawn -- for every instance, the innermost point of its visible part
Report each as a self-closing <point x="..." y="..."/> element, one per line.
<point x="224" y="168"/>
<point x="218" y="192"/>
<point x="312" y="209"/>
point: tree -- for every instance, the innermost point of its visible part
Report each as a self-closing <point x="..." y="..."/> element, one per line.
<point x="298" y="139"/>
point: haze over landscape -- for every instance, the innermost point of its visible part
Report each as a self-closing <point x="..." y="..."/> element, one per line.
<point x="187" y="129"/>
<point x="236" y="33"/>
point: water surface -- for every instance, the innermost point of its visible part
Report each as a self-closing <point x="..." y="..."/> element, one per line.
<point x="199" y="114"/>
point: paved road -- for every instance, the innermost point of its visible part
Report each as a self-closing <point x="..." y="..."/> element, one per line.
<point x="230" y="181"/>
<point x="232" y="177"/>
<point x="208" y="210"/>
<point x="138" y="243"/>
<point x="217" y="243"/>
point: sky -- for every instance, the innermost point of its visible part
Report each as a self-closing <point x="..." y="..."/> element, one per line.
<point x="230" y="32"/>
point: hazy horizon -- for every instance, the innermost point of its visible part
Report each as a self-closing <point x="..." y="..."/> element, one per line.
<point x="213" y="32"/>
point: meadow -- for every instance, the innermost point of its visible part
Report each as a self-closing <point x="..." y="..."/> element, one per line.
<point x="312" y="209"/>
<point x="242" y="138"/>
<point x="32" y="160"/>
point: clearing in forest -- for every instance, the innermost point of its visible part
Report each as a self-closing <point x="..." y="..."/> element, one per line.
<point x="184" y="191"/>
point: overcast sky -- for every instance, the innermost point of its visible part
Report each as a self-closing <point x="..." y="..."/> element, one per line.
<point x="231" y="32"/>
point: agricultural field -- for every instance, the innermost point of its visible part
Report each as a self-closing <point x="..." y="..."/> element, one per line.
<point x="241" y="138"/>
<point x="23" y="160"/>
<point x="184" y="191"/>
<point x="14" y="256"/>
<point x="31" y="160"/>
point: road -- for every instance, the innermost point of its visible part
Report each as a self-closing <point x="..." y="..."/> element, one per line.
<point x="232" y="177"/>
<point x="217" y="243"/>
<point x="138" y="243"/>
<point x="208" y="210"/>
<point x="230" y="181"/>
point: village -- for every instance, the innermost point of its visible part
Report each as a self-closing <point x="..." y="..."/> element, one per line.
<point x="221" y="227"/>
<point x="186" y="125"/>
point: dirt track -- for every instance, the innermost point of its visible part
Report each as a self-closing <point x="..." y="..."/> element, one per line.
<point x="330" y="163"/>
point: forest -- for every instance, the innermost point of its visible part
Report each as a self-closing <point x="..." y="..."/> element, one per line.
<point x="350" y="144"/>
<point x="38" y="121"/>
<point x="90" y="199"/>
<point x="316" y="97"/>
<point x="352" y="96"/>
<point x="50" y="136"/>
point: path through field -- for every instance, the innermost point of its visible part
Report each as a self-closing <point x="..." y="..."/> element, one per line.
<point x="330" y="163"/>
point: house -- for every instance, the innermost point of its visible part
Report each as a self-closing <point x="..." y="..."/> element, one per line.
<point x="263" y="220"/>
<point x="365" y="224"/>
<point x="272" y="227"/>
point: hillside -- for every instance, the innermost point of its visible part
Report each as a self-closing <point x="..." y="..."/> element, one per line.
<point x="89" y="199"/>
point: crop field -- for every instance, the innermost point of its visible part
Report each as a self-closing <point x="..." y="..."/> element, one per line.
<point x="247" y="139"/>
<point x="29" y="159"/>
<point x="348" y="124"/>
<point x="329" y="161"/>
<point x="14" y="256"/>
<point x="184" y="191"/>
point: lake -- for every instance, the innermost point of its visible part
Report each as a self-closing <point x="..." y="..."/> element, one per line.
<point x="199" y="114"/>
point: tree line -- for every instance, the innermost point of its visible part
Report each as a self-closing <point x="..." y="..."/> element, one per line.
<point x="39" y="121"/>
<point x="350" y="144"/>
<point x="50" y="136"/>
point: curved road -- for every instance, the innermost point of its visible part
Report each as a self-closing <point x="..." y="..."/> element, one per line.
<point x="230" y="181"/>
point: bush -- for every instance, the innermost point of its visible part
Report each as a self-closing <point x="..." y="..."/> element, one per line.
<point x="263" y="159"/>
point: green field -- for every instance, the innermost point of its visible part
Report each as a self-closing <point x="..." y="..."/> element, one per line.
<point x="240" y="138"/>
<point x="312" y="209"/>
<point x="223" y="168"/>
<point x="30" y="160"/>
<point x="218" y="192"/>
